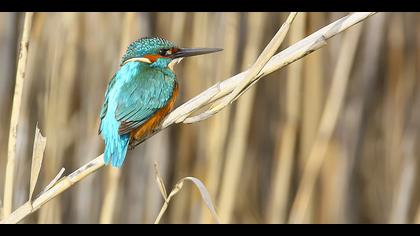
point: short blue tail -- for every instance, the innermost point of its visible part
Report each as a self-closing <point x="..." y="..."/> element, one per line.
<point x="116" y="149"/>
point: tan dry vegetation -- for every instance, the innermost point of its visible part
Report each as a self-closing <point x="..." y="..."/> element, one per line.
<point x="331" y="138"/>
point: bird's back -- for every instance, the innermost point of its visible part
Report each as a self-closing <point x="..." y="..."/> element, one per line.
<point x="137" y="99"/>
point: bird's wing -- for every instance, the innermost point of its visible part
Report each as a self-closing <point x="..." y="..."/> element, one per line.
<point x="140" y="98"/>
<point x="105" y="105"/>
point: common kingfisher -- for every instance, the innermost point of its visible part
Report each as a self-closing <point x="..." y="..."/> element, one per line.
<point x="140" y="94"/>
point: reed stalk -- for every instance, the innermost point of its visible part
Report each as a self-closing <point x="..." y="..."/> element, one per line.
<point x="17" y="101"/>
<point x="300" y="49"/>
<point x="328" y="121"/>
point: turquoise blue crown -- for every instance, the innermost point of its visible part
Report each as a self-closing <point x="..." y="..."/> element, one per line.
<point x="146" y="45"/>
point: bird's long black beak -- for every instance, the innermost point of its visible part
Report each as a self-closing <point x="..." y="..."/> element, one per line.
<point x="189" y="52"/>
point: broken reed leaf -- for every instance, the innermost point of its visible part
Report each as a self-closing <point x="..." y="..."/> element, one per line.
<point x="56" y="178"/>
<point x="252" y="73"/>
<point x="219" y="90"/>
<point x="295" y="52"/>
<point x="159" y="180"/>
<point x="37" y="157"/>
<point x="264" y="57"/>
<point x="205" y="195"/>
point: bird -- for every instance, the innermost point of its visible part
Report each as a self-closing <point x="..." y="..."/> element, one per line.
<point x="140" y="94"/>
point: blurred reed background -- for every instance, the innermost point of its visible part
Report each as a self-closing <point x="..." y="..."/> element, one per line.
<point x="253" y="155"/>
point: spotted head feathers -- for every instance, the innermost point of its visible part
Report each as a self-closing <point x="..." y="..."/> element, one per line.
<point x="147" y="46"/>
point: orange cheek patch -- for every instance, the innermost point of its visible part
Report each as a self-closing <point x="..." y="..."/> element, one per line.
<point x="152" y="57"/>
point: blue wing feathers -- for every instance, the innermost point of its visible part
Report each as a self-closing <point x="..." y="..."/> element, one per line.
<point x="131" y="98"/>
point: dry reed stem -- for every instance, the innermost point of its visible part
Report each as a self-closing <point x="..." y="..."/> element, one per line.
<point x="111" y="192"/>
<point x="218" y="127"/>
<point x="205" y="195"/>
<point x="394" y="117"/>
<point x="57" y="97"/>
<point x="313" y="98"/>
<point x="114" y="174"/>
<point x="261" y="61"/>
<point x="197" y="68"/>
<point x="37" y="156"/>
<point x="63" y="184"/>
<point x="236" y="146"/>
<point x="280" y="188"/>
<point x="300" y="49"/>
<point x="404" y="189"/>
<point x="328" y="121"/>
<point x="351" y="130"/>
<point x="205" y="69"/>
<point x="53" y="181"/>
<point x="17" y="100"/>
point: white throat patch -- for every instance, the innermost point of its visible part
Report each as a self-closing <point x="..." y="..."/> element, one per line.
<point x="174" y="62"/>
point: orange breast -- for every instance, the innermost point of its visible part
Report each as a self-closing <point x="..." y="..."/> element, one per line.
<point x="145" y="129"/>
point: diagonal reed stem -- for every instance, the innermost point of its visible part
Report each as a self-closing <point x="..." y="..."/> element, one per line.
<point x="17" y="101"/>
<point x="327" y="124"/>
<point x="298" y="50"/>
<point x="236" y="146"/>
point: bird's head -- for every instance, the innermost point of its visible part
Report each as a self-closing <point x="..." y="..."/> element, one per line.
<point x="159" y="52"/>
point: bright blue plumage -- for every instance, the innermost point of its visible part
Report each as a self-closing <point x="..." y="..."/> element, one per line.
<point x="140" y="94"/>
<point x="134" y="94"/>
<point x="115" y="145"/>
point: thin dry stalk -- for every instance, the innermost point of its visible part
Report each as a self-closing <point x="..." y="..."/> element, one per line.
<point x="218" y="127"/>
<point x="236" y="148"/>
<point x="277" y="206"/>
<point x="351" y="128"/>
<point x="404" y="190"/>
<point x="37" y="156"/>
<point x="193" y="69"/>
<point x="200" y="186"/>
<point x="63" y="184"/>
<point x="61" y="79"/>
<point x="312" y="100"/>
<point x="17" y="100"/>
<point x="262" y="60"/>
<point x="298" y="50"/>
<point x="312" y="95"/>
<point x="205" y="70"/>
<point x="111" y="192"/>
<point x="394" y="116"/>
<point x="328" y="121"/>
<point x="405" y="187"/>
<point x="114" y="174"/>
<point x="289" y="55"/>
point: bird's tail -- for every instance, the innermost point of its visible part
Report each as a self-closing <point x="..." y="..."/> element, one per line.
<point x="116" y="149"/>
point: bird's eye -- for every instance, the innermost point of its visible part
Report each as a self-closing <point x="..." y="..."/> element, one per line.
<point x="165" y="52"/>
